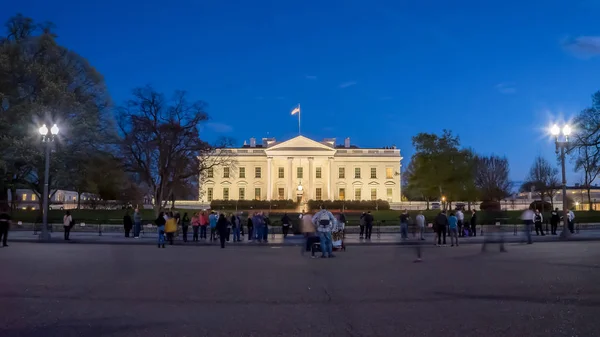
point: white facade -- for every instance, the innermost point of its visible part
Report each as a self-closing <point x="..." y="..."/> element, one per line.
<point x="302" y="169"/>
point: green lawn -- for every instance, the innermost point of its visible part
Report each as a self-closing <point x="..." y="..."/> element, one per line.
<point x="390" y="217"/>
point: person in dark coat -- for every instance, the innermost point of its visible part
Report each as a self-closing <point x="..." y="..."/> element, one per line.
<point x="473" y="231"/>
<point x="250" y="227"/>
<point x="368" y="224"/>
<point x="4" y="226"/>
<point x="441" y="223"/>
<point x="185" y="222"/>
<point x="554" y="220"/>
<point x="127" y="223"/>
<point x="222" y="224"/>
<point x="285" y="224"/>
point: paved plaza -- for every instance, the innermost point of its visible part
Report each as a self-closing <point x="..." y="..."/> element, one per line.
<point x="545" y="289"/>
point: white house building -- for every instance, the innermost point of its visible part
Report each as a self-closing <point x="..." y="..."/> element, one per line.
<point x="303" y="169"/>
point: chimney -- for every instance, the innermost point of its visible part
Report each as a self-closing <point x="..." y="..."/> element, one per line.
<point x="252" y="142"/>
<point x="347" y="142"/>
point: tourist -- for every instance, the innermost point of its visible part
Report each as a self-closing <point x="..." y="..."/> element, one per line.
<point x="137" y="223"/>
<point x="212" y="220"/>
<point x="461" y="220"/>
<point x="221" y="227"/>
<point x="204" y="222"/>
<point x="236" y="225"/>
<point x="571" y="219"/>
<point x="527" y="218"/>
<point x="453" y="226"/>
<point x="404" y="217"/>
<point x="258" y="221"/>
<point x="473" y="231"/>
<point x="368" y="225"/>
<point x="185" y="221"/>
<point x="171" y="227"/>
<point x="554" y="220"/>
<point x="537" y="220"/>
<point x="324" y="220"/>
<point x="420" y="222"/>
<point x="160" y="227"/>
<point x="127" y="223"/>
<point x="441" y="223"/>
<point x="67" y="224"/>
<point x="285" y="225"/>
<point x="250" y="228"/>
<point x="308" y="230"/>
<point x="342" y="219"/>
<point x="195" y="226"/>
<point x="4" y="226"/>
<point x="362" y="223"/>
<point x="265" y="229"/>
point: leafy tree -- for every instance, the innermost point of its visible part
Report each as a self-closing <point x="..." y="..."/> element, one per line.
<point x="491" y="177"/>
<point x="161" y="142"/>
<point x="542" y="179"/>
<point x="440" y="168"/>
<point x="44" y="82"/>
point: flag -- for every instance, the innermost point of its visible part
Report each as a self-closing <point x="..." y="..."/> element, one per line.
<point x="296" y="110"/>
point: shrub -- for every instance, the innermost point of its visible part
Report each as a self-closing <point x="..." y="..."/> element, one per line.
<point x="543" y="206"/>
<point x="490" y="206"/>
<point x="350" y="204"/>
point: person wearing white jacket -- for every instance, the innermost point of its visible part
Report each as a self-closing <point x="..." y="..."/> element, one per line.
<point x="67" y="224"/>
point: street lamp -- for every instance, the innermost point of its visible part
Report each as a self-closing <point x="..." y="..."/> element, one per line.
<point x="443" y="203"/>
<point x="47" y="139"/>
<point x="562" y="144"/>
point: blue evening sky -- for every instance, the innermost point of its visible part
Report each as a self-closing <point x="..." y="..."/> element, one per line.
<point x="495" y="72"/>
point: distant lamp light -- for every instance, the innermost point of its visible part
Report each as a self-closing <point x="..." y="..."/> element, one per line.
<point x="443" y="198"/>
<point x="577" y="203"/>
<point x="43" y="130"/>
<point x="566" y="130"/>
<point x="54" y="129"/>
<point x="300" y="187"/>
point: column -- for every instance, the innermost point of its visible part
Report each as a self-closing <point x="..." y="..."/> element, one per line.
<point x="330" y="178"/>
<point x="309" y="189"/>
<point x="269" y="178"/>
<point x="290" y="185"/>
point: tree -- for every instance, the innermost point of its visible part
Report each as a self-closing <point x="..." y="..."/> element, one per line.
<point x="543" y="179"/>
<point x="440" y="168"/>
<point x="161" y="142"/>
<point x="588" y="124"/>
<point x="491" y="177"/>
<point x="44" y="82"/>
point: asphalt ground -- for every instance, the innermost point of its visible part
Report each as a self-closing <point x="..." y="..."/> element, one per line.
<point x="544" y="289"/>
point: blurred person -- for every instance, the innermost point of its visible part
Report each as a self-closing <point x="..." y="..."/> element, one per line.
<point x="554" y="220"/>
<point x="323" y="221"/>
<point x="528" y="217"/>
<point x="160" y="227"/>
<point x="127" y="223"/>
<point x="362" y="224"/>
<point x="236" y="225"/>
<point x="571" y="219"/>
<point x="308" y="231"/>
<point x="285" y="225"/>
<point x="420" y="223"/>
<point x="258" y="222"/>
<point x="195" y="226"/>
<point x="170" y="227"/>
<point x="368" y="225"/>
<point x="538" y="219"/>
<point x="5" y="222"/>
<point x="250" y="226"/>
<point x="441" y="225"/>
<point x="473" y="230"/>
<point x="204" y="222"/>
<point x="453" y="227"/>
<point x="461" y="220"/>
<point x="265" y="229"/>
<point x="404" y="217"/>
<point x="221" y="227"/>
<point x="212" y="220"/>
<point x="137" y="223"/>
<point x="185" y="222"/>
<point x="337" y="233"/>
<point x="67" y="224"/>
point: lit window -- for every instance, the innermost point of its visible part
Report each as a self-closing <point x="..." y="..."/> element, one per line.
<point x="318" y="193"/>
<point x="357" y="173"/>
<point x="24" y="197"/>
<point x="373" y="173"/>
<point x="357" y="194"/>
<point x="280" y="173"/>
<point x="209" y="194"/>
<point x="225" y="172"/>
<point x="280" y="193"/>
<point x="389" y="173"/>
<point x="257" y="172"/>
<point x="341" y="173"/>
<point x="300" y="173"/>
<point x="389" y="193"/>
<point x="242" y="172"/>
<point x="225" y="193"/>
<point x="242" y="193"/>
<point x="33" y="197"/>
<point x="342" y="194"/>
<point x="209" y="173"/>
<point x="318" y="173"/>
<point x="257" y="193"/>
<point x="373" y="194"/>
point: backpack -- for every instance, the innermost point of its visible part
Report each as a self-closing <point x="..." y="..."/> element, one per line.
<point x="72" y="223"/>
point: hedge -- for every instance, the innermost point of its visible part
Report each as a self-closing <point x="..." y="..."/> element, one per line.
<point x="350" y="204"/>
<point x="252" y="204"/>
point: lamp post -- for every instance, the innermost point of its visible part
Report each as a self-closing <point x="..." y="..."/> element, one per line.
<point x="47" y="138"/>
<point x="443" y="203"/>
<point x="562" y="144"/>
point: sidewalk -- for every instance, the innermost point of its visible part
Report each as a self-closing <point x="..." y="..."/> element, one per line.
<point x="277" y="239"/>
